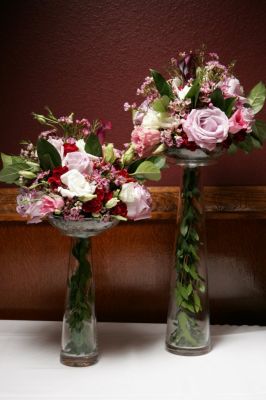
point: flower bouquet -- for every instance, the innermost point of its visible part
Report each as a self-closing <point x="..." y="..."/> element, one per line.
<point x="82" y="187"/>
<point x="192" y="118"/>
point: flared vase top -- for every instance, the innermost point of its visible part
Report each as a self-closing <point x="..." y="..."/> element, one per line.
<point x="193" y="159"/>
<point x="84" y="228"/>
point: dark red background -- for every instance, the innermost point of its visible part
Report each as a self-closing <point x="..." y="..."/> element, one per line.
<point x="90" y="57"/>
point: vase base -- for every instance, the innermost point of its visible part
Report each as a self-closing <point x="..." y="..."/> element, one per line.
<point x="78" y="361"/>
<point x="188" y="351"/>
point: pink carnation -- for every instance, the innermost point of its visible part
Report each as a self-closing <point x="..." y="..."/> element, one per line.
<point x="242" y="119"/>
<point x="206" y="127"/>
<point x="144" y="139"/>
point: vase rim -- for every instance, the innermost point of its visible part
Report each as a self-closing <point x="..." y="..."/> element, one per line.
<point x="196" y="158"/>
<point x="84" y="228"/>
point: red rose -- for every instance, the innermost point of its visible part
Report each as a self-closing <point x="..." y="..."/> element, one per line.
<point x="55" y="180"/>
<point x="120" y="209"/>
<point x="92" y="206"/>
<point x="69" y="148"/>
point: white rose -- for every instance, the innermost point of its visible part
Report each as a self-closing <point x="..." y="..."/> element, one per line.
<point x="137" y="199"/>
<point x="156" y="120"/>
<point x="77" y="186"/>
<point x="81" y="146"/>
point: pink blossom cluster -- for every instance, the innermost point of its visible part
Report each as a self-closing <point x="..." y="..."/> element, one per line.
<point x="204" y="107"/>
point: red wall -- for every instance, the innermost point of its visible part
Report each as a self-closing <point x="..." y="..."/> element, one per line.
<point x="90" y="56"/>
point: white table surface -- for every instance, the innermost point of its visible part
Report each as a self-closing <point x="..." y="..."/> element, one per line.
<point x="133" y="365"/>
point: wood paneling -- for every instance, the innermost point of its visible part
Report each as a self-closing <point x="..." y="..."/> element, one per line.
<point x="133" y="261"/>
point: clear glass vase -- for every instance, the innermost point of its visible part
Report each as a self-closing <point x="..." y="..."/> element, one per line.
<point x="188" y="331"/>
<point x="79" y="340"/>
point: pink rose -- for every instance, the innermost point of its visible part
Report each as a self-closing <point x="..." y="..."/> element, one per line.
<point x="138" y="200"/>
<point x="79" y="161"/>
<point x="206" y="127"/>
<point x="243" y="118"/>
<point x="144" y="139"/>
<point x="231" y="87"/>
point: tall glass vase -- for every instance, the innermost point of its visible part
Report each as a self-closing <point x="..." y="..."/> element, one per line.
<point x="188" y="331"/>
<point x="79" y="341"/>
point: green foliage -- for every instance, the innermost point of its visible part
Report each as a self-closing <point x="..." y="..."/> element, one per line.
<point x="10" y="173"/>
<point x="9" y="160"/>
<point x="257" y="97"/>
<point x="193" y="92"/>
<point x="161" y="85"/>
<point x="160" y="105"/>
<point x="147" y="170"/>
<point x="259" y="130"/>
<point x="226" y="105"/>
<point x="48" y="155"/>
<point x="93" y="146"/>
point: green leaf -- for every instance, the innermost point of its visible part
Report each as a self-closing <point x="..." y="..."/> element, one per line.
<point x="257" y="97"/>
<point x="48" y="155"/>
<point x="160" y="105"/>
<point x="197" y="302"/>
<point x="229" y="104"/>
<point x="93" y="146"/>
<point x="161" y="85"/>
<point x="134" y="165"/>
<point x="193" y="92"/>
<point x="9" y="160"/>
<point x="183" y="228"/>
<point x="10" y="174"/>
<point x="259" y="130"/>
<point x="232" y="149"/>
<point x="183" y="292"/>
<point x="217" y="99"/>
<point x="159" y="161"/>
<point x="148" y="170"/>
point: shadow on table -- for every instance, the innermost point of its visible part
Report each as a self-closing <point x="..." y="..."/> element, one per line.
<point x="125" y="338"/>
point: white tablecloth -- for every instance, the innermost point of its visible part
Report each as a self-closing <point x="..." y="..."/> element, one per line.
<point x="133" y="365"/>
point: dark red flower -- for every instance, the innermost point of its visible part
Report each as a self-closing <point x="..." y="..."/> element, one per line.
<point x="55" y="180"/>
<point x="69" y="148"/>
<point x="92" y="206"/>
<point x="101" y="131"/>
<point x="240" y="136"/>
<point x="227" y="143"/>
<point x="120" y="209"/>
<point x="108" y="196"/>
<point x="188" y="144"/>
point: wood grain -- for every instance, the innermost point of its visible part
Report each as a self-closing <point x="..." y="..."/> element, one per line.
<point x="221" y="202"/>
<point x="133" y="262"/>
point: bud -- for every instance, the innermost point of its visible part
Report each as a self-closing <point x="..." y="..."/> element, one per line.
<point x="160" y="149"/>
<point x="40" y="118"/>
<point x="128" y="156"/>
<point x="27" y="174"/>
<point x="35" y="167"/>
<point x="112" y="202"/>
<point x="108" y="153"/>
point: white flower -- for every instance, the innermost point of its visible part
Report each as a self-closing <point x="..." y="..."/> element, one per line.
<point x="181" y="93"/>
<point x="156" y="120"/>
<point x="81" y="146"/>
<point x="137" y="199"/>
<point x="77" y="186"/>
